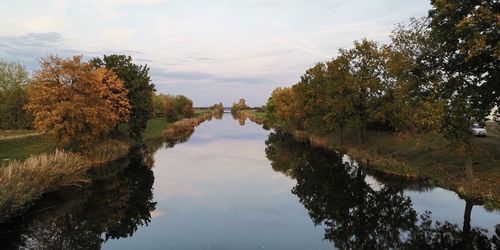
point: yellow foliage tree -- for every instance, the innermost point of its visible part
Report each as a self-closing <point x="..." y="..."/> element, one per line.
<point x="75" y="102"/>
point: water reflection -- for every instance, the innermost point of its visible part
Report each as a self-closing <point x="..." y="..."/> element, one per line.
<point x="115" y="205"/>
<point x="358" y="215"/>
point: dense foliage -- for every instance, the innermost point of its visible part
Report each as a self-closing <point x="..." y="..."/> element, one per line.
<point x="439" y="74"/>
<point x="241" y="105"/>
<point x="140" y="89"/>
<point x="13" y="83"/>
<point x="172" y="107"/>
<point x="75" y="102"/>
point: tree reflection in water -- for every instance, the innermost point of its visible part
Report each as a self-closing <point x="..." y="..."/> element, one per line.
<point x="357" y="215"/>
<point x="119" y="200"/>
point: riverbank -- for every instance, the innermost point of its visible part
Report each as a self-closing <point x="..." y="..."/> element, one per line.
<point x="24" y="180"/>
<point x="427" y="156"/>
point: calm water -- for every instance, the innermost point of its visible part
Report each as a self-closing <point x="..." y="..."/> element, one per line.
<point x="235" y="186"/>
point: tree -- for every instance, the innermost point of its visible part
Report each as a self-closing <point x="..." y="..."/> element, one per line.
<point x="338" y="103"/>
<point x="116" y="94"/>
<point x="309" y="95"/>
<point x="241" y="105"/>
<point x="165" y="106"/>
<point x="282" y="107"/>
<point x="13" y="82"/>
<point x="217" y="110"/>
<point x="140" y="89"/>
<point x="184" y="106"/>
<point x="414" y="82"/>
<point x="366" y="66"/>
<point x="468" y="36"/>
<point x="75" y="103"/>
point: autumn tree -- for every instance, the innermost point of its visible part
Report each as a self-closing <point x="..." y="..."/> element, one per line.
<point x="414" y="83"/>
<point x="241" y="105"/>
<point x="75" y="103"/>
<point x="184" y="106"/>
<point x="308" y="96"/>
<point x="13" y="94"/>
<point x="366" y="67"/>
<point x="338" y="102"/>
<point x="468" y="36"/>
<point x="281" y="107"/>
<point x="165" y="106"/>
<point x="137" y="81"/>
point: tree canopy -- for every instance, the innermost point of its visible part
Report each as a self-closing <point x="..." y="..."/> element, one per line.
<point x="74" y="102"/>
<point x="137" y="81"/>
<point x="13" y="83"/>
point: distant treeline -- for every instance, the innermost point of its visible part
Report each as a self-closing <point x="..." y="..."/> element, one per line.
<point x="439" y="74"/>
<point x="172" y="107"/>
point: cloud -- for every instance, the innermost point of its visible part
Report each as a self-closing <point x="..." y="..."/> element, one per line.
<point x="165" y="76"/>
<point x="33" y="39"/>
<point x="28" y="48"/>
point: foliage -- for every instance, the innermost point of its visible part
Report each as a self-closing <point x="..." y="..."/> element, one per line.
<point x="439" y="74"/>
<point x="172" y="107"/>
<point x="117" y="202"/>
<point x="13" y="83"/>
<point x="137" y="81"/>
<point x="241" y="105"/>
<point x="218" y="108"/>
<point x="74" y="102"/>
<point x="467" y="34"/>
<point x="184" y="106"/>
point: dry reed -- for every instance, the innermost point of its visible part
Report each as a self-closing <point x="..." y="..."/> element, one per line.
<point x="22" y="182"/>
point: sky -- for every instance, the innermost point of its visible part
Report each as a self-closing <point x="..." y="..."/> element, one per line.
<point x="209" y="50"/>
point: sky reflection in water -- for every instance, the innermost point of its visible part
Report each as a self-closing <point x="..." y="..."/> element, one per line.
<point x="218" y="191"/>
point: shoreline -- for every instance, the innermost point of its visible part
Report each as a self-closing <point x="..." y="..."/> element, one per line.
<point x="482" y="188"/>
<point x="24" y="182"/>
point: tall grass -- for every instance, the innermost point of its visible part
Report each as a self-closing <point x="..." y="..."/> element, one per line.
<point x="22" y="182"/>
<point x="185" y="126"/>
<point x="106" y="151"/>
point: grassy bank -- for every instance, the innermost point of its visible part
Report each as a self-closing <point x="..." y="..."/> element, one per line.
<point x="185" y="126"/>
<point x="23" y="182"/>
<point x="19" y="145"/>
<point x="35" y="167"/>
<point x="425" y="156"/>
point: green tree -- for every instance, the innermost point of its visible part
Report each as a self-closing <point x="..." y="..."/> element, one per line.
<point x="413" y="83"/>
<point x="184" y="106"/>
<point x="13" y="82"/>
<point x="338" y="102"/>
<point x="241" y="105"/>
<point x="468" y="36"/>
<point x="140" y="89"/>
<point x="308" y="99"/>
<point x="367" y="68"/>
<point x="165" y="106"/>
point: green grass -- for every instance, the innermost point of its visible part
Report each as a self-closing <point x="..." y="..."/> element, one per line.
<point x="155" y="128"/>
<point x="21" y="148"/>
<point x="200" y="112"/>
<point x="260" y="115"/>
